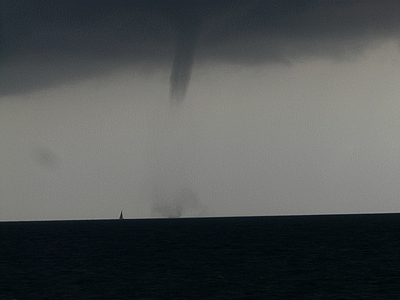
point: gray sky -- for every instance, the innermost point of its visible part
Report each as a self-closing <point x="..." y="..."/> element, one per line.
<point x="287" y="110"/>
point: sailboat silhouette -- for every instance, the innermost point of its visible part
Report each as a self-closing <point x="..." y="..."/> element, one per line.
<point x="121" y="217"/>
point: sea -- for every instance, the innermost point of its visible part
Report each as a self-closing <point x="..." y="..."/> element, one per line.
<point x="280" y="257"/>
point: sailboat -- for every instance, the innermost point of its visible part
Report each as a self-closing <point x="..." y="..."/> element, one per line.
<point x="121" y="217"/>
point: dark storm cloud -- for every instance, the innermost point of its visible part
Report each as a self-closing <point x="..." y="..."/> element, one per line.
<point x="49" y="42"/>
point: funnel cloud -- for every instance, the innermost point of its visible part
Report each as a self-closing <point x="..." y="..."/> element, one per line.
<point x="183" y="61"/>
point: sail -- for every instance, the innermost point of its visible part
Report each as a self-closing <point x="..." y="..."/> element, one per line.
<point x="121" y="217"/>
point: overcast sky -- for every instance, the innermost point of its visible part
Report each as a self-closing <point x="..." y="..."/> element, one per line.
<point x="198" y="108"/>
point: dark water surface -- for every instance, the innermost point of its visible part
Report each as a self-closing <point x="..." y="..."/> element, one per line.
<point x="309" y="257"/>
